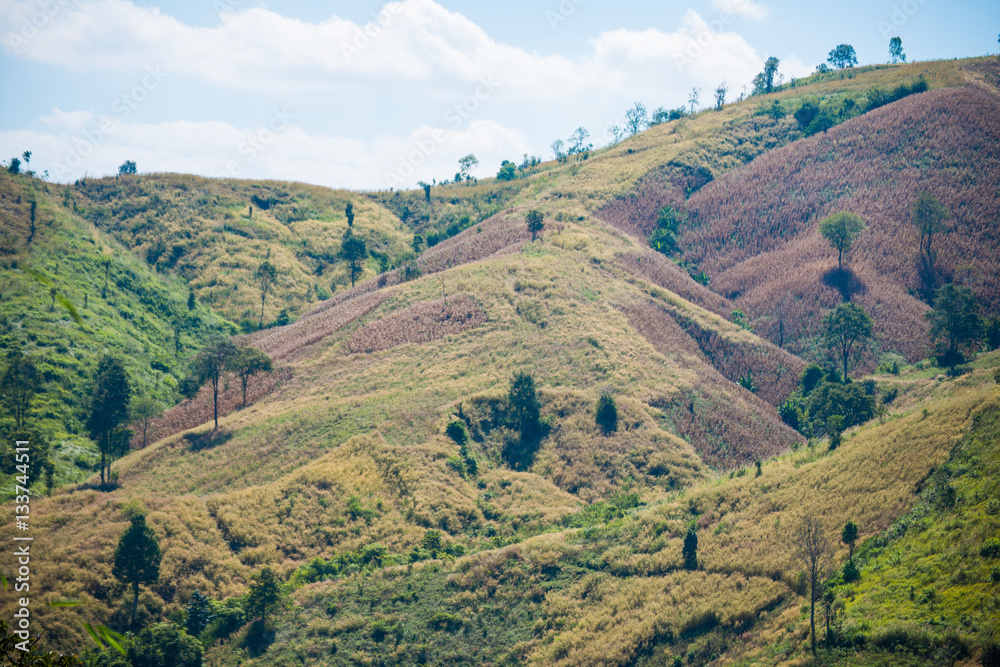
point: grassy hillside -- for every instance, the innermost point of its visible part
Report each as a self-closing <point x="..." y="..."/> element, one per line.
<point x="398" y="546"/>
<point x="59" y="265"/>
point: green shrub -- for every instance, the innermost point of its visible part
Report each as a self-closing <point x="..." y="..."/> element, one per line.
<point x="991" y="548"/>
<point x="606" y="414"/>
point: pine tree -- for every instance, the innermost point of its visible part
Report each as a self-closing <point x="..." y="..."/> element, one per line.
<point x="137" y="559"/>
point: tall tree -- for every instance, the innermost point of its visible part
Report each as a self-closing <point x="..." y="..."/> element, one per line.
<point x="849" y="535"/>
<point x="109" y="409"/>
<point x="266" y="274"/>
<point x="896" y="50"/>
<point x="467" y="164"/>
<point x="812" y="549"/>
<point x="137" y="559"/>
<point x="354" y="252"/>
<point x="127" y="168"/>
<point x="578" y="141"/>
<point x="636" y="118"/>
<point x="209" y="366"/>
<point x="955" y="322"/>
<point x="349" y="212"/>
<point x="929" y="217"/>
<point x="525" y="418"/>
<point x="144" y="411"/>
<point x="535" y="222"/>
<point x="720" y="95"/>
<point x="18" y="385"/>
<point x="845" y="329"/>
<point x="842" y="55"/>
<point x="693" y="97"/>
<point x="690" y="549"/>
<point x="247" y="362"/>
<point x="264" y="594"/>
<point x="840" y="229"/>
<point x="199" y="614"/>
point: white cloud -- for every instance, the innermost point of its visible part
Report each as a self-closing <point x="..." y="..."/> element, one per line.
<point x="80" y="143"/>
<point x="744" y="8"/>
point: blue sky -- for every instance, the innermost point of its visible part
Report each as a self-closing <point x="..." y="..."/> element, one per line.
<point x="371" y="95"/>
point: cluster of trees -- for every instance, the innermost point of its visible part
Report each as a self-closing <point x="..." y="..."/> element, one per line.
<point x="221" y="356"/>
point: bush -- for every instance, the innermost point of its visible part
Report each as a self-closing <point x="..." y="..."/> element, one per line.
<point x="165" y="645"/>
<point x="851" y="572"/>
<point x="606" y="414"/>
<point x="848" y="401"/>
<point x="990" y="548"/>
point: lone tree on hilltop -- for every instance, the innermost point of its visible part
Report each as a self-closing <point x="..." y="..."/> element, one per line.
<point x="535" y="222"/>
<point x="466" y="165"/>
<point x="266" y="275"/>
<point x="720" y="95"/>
<point x="137" y="559"/>
<point x="764" y="82"/>
<point x="636" y="118"/>
<point x="127" y="168"/>
<point x="264" y="594"/>
<point x="896" y="50"/>
<point x="845" y="329"/>
<point x="955" y="324"/>
<point x="813" y="550"/>
<point x="929" y="217"/>
<point x="209" y="366"/>
<point x="840" y="229"/>
<point x="353" y="251"/>
<point x="247" y="362"/>
<point x="843" y="55"/>
<point x="109" y="409"/>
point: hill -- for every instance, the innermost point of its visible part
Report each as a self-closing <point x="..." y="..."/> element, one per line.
<point x="402" y="541"/>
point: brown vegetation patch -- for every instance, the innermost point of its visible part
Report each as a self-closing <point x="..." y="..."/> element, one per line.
<point x="659" y="270"/>
<point x="420" y="323"/>
<point x="726" y="424"/>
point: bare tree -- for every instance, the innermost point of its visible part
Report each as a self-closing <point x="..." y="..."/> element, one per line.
<point x="812" y="549"/>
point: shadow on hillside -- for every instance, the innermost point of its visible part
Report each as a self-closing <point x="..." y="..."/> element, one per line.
<point x="845" y="282"/>
<point x="200" y="441"/>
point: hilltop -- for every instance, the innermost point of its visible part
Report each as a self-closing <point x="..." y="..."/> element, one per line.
<point x="396" y="542"/>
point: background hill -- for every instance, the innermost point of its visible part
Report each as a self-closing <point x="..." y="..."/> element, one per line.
<point x="398" y="546"/>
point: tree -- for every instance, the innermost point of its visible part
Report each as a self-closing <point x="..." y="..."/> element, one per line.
<point x="209" y="366"/>
<point x="127" y="168"/>
<point x="636" y="118"/>
<point x="247" y="362"/>
<point x="265" y="275"/>
<point x="109" y="408"/>
<point x="535" y="222"/>
<point x="929" y="217"/>
<point x="191" y="303"/>
<point x="467" y="164"/>
<point x="15" y="166"/>
<point x="764" y="82"/>
<point x="955" y="323"/>
<point x="557" y="149"/>
<point x="427" y="191"/>
<point x="18" y="385"/>
<point x="720" y="95"/>
<point x="693" y="97"/>
<point x="690" y="549"/>
<point x="849" y="535"/>
<point x="525" y="417"/>
<point x="840" y="229"/>
<point x="354" y="252"/>
<point x="349" y="212"/>
<point x="37" y="465"/>
<point x="813" y="550"/>
<point x="577" y="141"/>
<point x="26" y="156"/>
<point x="846" y="328"/>
<point x="508" y="171"/>
<point x="896" y="50"/>
<point x="264" y="594"/>
<point x="199" y="614"/>
<point x="417" y="243"/>
<point x="165" y="645"/>
<point x="144" y="411"/>
<point x="842" y="56"/>
<point x="137" y="559"/>
<point x="606" y="414"/>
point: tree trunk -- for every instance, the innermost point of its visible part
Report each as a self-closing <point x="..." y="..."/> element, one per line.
<point x="812" y="609"/>
<point x="840" y="259"/>
<point x="215" y="402"/>
<point x="245" y="391"/>
<point x="135" y="604"/>
<point x="261" y="325"/>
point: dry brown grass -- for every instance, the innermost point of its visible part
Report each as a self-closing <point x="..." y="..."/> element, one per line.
<point x="419" y="323"/>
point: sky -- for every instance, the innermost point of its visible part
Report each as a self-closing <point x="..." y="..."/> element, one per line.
<point x="370" y="95"/>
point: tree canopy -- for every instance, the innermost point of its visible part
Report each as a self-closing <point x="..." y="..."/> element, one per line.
<point x="896" y="50"/>
<point x="212" y="361"/>
<point x="843" y="55"/>
<point x="840" y="229"/>
<point x="109" y="409"/>
<point x="137" y="558"/>
<point x="18" y="385"/>
<point x="929" y="217"/>
<point x="354" y="251"/>
<point x="535" y="221"/>
<point x="264" y="594"/>
<point x="266" y="275"/>
<point x="247" y="362"/>
<point x="845" y="329"/>
<point x="955" y="322"/>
